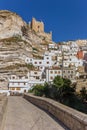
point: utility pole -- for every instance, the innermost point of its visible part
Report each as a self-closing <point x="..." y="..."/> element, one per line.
<point x="62" y="59"/>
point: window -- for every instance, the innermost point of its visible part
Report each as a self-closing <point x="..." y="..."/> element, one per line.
<point x="47" y="62"/>
<point x="51" y="78"/>
<point x="55" y="72"/>
<point x="35" y="72"/>
<point x="68" y="71"/>
<point x="37" y="77"/>
<point x="71" y="71"/>
<point x="17" y="88"/>
<point x="47" y="57"/>
<point x="13" y="77"/>
<point x="24" y="83"/>
<point x="51" y="72"/>
<point x="58" y="72"/>
<point x="40" y="62"/>
<point x="12" y="88"/>
<point x="63" y="71"/>
<point x="35" y="62"/>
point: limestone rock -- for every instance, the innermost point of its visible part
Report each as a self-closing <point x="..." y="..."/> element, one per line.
<point x="18" y="41"/>
<point x="10" y="24"/>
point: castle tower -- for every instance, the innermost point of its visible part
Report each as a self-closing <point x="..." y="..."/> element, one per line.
<point x="37" y="26"/>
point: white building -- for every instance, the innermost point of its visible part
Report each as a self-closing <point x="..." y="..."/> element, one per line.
<point x="72" y="60"/>
<point x="32" y="83"/>
<point x="64" y="47"/>
<point x="42" y="63"/>
<point x="35" y="75"/>
<point x="52" y="72"/>
<point x="23" y="84"/>
<point x="53" y="46"/>
<point x="74" y="46"/>
<point x="18" y="85"/>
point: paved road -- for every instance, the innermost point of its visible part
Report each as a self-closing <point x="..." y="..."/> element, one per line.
<point x="22" y="115"/>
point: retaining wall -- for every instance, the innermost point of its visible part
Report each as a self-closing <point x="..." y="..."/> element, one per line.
<point x="71" y="118"/>
<point x="3" y="104"/>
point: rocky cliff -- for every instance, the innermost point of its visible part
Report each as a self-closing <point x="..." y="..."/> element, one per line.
<point x="17" y="41"/>
<point x="10" y="24"/>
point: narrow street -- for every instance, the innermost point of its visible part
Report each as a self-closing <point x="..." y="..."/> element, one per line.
<point x="22" y="115"/>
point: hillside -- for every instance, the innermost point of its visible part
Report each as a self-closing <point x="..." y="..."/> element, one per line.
<point x="18" y="41"/>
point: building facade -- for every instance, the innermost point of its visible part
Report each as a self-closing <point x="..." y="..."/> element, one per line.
<point x="52" y="72"/>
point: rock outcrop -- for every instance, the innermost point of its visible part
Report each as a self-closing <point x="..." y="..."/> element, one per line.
<point x="17" y="41"/>
<point x="10" y="24"/>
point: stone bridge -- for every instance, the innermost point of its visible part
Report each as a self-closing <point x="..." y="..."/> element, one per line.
<point x="21" y="114"/>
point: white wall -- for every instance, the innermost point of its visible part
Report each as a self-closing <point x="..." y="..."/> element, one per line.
<point x="5" y="91"/>
<point x="53" y="74"/>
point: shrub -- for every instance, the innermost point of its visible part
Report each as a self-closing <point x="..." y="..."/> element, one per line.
<point x="38" y="90"/>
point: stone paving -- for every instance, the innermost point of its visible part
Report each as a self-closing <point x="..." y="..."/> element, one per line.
<point x="22" y="115"/>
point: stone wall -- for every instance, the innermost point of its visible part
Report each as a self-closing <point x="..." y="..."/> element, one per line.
<point x="73" y="119"/>
<point x="37" y="26"/>
<point x="3" y="104"/>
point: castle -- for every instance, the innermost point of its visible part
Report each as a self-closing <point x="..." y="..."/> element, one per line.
<point x="38" y="27"/>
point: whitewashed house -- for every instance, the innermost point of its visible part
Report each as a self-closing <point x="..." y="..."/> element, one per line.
<point x="74" y="61"/>
<point x="18" y="85"/>
<point x="23" y="84"/>
<point x="52" y="72"/>
<point x="53" y="46"/>
<point x="64" y="47"/>
<point x="32" y="83"/>
<point x="45" y="62"/>
<point x="34" y="75"/>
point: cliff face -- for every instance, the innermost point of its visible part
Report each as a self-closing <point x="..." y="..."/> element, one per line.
<point x="17" y="41"/>
<point x="10" y="24"/>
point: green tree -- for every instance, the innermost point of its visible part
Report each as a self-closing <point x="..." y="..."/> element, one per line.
<point x="38" y="90"/>
<point x="64" y="91"/>
<point x="58" y="82"/>
<point x="83" y="94"/>
<point x="47" y="89"/>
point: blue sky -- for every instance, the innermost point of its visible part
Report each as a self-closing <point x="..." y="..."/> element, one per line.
<point x="67" y="19"/>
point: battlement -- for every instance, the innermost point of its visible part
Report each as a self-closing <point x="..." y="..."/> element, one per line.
<point x="38" y="27"/>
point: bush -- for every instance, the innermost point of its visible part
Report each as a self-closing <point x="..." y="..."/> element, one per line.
<point x="38" y="90"/>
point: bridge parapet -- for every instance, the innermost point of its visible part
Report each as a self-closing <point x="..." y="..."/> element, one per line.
<point x="3" y="104"/>
<point x="71" y="118"/>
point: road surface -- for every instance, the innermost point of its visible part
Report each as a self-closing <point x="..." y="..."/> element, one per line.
<point x="22" y="115"/>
